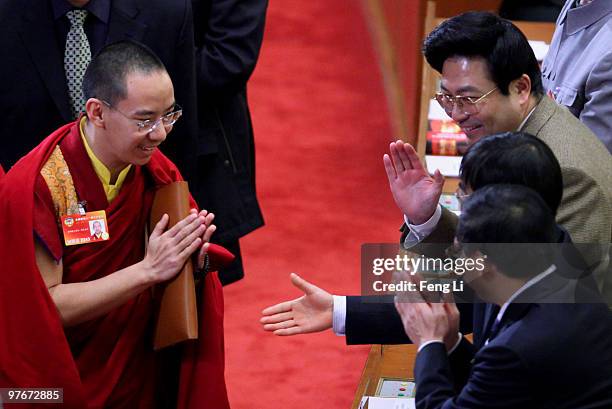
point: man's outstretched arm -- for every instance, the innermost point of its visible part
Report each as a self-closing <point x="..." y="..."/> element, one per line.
<point x="312" y="312"/>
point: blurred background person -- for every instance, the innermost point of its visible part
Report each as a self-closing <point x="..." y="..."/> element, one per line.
<point x="228" y="37"/>
<point x="577" y="71"/>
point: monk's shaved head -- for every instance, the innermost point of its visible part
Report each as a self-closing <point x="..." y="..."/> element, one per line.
<point x="105" y="78"/>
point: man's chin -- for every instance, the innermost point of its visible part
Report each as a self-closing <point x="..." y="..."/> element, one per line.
<point x="143" y="162"/>
<point x="139" y="161"/>
<point x="142" y="157"/>
<point x="475" y="134"/>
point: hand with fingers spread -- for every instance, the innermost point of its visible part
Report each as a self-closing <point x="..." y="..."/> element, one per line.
<point x="312" y="312"/>
<point x="168" y="251"/>
<point x="415" y="192"/>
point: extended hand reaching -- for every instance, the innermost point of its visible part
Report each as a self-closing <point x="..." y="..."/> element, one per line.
<point x="415" y="192"/>
<point x="312" y="312"/>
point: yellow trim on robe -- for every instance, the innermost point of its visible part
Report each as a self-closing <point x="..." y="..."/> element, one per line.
<point x="102" y="171"/>
<point x="61" y="186"/>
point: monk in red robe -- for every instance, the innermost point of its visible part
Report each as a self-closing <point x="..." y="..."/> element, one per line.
<point x="80" y="317"/>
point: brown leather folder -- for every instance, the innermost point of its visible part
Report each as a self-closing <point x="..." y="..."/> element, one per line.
<point x="178" y="318"/>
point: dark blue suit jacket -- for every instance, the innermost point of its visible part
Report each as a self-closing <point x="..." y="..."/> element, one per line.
<point x="545" y="355"/>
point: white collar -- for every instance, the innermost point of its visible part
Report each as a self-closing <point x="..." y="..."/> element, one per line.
<point x="525" y="286"/>
<point x="526" y="118"/>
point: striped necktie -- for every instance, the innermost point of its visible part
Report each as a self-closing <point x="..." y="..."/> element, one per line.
<point x="76" y="59"/>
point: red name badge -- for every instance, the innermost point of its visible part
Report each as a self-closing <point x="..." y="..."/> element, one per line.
<point x="90" y="227"/>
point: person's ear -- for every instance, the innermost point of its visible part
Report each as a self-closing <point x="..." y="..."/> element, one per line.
<point x="521" y="87"/>
<point x="95" y="112"/>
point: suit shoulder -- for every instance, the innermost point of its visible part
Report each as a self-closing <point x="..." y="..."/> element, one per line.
<point x="576" y="147"/>
<point x="550" y="332"/>
<point x="570" y="139"/>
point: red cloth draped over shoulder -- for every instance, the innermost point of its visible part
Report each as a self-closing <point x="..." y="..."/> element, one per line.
<point x="103" y="362"/>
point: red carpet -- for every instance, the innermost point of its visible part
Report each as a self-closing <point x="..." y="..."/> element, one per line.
<point x="321" y="128"/>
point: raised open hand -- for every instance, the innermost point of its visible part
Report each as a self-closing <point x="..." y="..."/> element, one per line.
<point x="416" y="193"/>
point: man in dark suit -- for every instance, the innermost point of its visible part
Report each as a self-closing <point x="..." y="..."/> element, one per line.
<point x="35" y="95"/>
<point x="228" y="37"/>
<point x="544" y="350"/>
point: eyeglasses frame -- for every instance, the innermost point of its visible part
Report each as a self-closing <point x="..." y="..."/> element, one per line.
<point x="453" y="99"/>
<point x="151" y="124"/>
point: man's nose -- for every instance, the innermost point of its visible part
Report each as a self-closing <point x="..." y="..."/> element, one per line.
<point x="159" y="133"/>
<point x="457" y="114"/>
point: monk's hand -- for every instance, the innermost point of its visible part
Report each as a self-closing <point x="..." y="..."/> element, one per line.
<point x="415" y="192"/>
<point x="200" y="258"/>
<point x="312" y="312"/>
<point x="168" y="250"/>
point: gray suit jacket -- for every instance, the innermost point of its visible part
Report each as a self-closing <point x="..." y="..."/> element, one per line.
<point x="586" y="167"/>
<point x="577" y="70"/>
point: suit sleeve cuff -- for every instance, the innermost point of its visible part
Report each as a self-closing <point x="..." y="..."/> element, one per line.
<point x="339" y="315"/>
<point x="433" y="341"/>
<point x="439" y="341"/>
<point x="418" y="232"/>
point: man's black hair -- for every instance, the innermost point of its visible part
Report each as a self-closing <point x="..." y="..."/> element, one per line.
<point x="503" y="222"/>
<point x="514" y="158"/>
<point x="481" y="34"/>
<point x="106" y="74"/>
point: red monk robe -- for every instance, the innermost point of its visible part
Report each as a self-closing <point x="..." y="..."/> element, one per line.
<point x="108" y="361"/>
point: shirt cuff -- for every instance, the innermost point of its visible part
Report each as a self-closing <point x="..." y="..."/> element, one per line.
<point x="339" y="315"/>
<point x="433" y="341"/>
<point x="418" y="232"/>
<point x="456" y="344"/>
